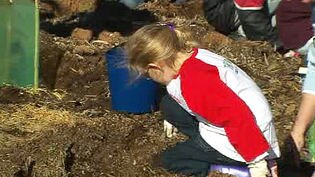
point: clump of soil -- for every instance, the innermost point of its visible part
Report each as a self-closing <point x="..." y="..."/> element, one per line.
<point x="67" y="127"/>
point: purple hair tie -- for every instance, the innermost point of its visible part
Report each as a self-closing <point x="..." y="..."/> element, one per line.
<point x="171" y="26"/>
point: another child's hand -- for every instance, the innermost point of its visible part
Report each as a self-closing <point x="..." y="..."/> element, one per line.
<point x="259" y="169"/>
<point x="298" y="140"/>
<point x="273" y="168"/>
<point x="169" y="129"/>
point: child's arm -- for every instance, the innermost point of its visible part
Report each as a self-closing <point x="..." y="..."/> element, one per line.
<point x="304" y="119"/>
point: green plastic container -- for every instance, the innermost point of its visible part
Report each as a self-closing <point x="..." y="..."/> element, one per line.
<point x="19" y="43"/>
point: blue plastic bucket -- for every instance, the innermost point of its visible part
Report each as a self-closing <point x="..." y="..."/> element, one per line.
<point x="138" y="96"/>
<point x="239" y="171"/>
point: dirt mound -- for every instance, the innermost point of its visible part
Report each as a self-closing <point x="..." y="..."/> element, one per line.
<point x="67" y="128"/>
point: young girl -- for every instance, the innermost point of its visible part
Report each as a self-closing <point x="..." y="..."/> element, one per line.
<point x="209" y="99"/>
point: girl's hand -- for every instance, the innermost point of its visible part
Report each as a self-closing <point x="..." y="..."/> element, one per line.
<point x="169" y="129"/>
<point x="259" y="169"/>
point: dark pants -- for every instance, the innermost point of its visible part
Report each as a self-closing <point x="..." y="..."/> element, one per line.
<point x="194" y="156"/>
<point x="222" y="15"/>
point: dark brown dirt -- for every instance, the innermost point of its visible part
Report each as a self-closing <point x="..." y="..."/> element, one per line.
<point x="67" y="127"/>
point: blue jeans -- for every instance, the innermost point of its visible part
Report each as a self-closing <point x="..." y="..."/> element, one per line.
<point x="194" y="156"/>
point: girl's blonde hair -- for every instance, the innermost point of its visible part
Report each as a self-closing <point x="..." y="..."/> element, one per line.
<point x="156" y="42"/>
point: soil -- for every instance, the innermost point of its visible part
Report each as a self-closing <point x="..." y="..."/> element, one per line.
<point x="67" y="126"/>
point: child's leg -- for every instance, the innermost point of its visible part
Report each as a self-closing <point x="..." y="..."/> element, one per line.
<point x="193" y="157"/>
<point x="177" y="116"/>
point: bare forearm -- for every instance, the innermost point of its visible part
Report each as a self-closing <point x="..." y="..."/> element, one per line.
<point x="306" y="114"/>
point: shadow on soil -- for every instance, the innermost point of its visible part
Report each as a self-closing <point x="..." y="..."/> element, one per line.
<point x="305" y="170"/>
<point x="108" y="15"/>
<point x="290" y="163"/>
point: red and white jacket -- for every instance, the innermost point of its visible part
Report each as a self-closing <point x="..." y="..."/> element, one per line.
<point x="234" y="116"/>
<point x="249" y="4"/>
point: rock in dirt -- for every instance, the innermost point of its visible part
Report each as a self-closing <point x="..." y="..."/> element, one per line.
<point x="82" y="34"/>
<point x="109" y="37"/>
